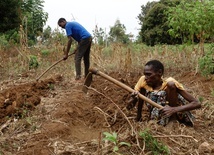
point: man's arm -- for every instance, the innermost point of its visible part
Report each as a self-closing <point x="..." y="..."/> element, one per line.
<point x="193" y="104"/>
<point x="68" y="47"/>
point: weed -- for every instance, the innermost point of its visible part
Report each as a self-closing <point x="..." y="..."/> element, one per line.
<point x="153" y="145"/>
<point x="51" y="86"/>
<point x="45" y="52"/>
<point x="33" y="62"/>
<point x="3" y="42"/>
<point x="212" y="92"/>
<point x="206" y="63"/>
<point x="201" y="99"/>
<point x="114" y="139"/>
<point x="29" y="120"/>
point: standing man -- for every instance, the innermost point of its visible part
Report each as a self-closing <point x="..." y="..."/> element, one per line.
<point x="76" y="31"/>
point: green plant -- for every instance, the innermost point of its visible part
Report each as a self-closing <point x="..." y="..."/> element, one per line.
<point x="201" y="99"/>
<point x="3" y="41"/>
<point x="113" y="138"/>
<point x="212" y="92"/>
<point x="24" y="112"/>
<point x="45" y="52"/>
<point x="51" y="86"/>
<point x="33" y="62"/>
<point x="206" y="63"/>
<point x="153" y="145"/>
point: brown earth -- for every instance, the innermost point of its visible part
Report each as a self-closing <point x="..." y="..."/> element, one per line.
<point x="53" y="116"/>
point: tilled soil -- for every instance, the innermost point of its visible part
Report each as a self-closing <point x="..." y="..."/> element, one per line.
<point x="54" y="116"/>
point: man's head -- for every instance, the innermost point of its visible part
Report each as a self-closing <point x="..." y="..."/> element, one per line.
<point x="62" y="22"/>
<point x="153" y="72"/>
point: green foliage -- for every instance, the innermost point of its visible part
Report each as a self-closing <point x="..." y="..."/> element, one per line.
<point x="99" y="36"/>
<point x="3" y="42"/>
<point x="9" y="37"/>
<point x="153" y="145"/>
<point x="201" y="99"/>
<point x="190" y="19"/>
<point x="117" y="33"/>
<point x="51" y="86"/>
<point x="9" y="15"/>
<point x="206" y="63"/>
<point x="33" y="18"/>
<point x="14" y="37"/>
<point x="212" y="92"/>
<point x="45" y="52"/>
<point x="153" y="21"/>
<point x="33" y="62"/>
<point x="113" y="138"/>
<point x="47" y="33"/>
<point x="28" y="13"/>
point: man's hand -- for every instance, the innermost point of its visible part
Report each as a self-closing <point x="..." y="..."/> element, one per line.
<point x="133" y="100"/>
<point x="135" y="94"/>
<point x="168" y="111"/>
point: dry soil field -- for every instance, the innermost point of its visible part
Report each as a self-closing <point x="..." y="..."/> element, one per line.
<point x="53" y="116"/>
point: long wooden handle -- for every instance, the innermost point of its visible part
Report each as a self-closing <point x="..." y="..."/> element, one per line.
<point x="118" y="83"/>
<point x="52" y="66"/>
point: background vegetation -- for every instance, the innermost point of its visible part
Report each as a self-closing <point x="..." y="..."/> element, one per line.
<point x="178" y="33"/>
<point x="166" y="22"/>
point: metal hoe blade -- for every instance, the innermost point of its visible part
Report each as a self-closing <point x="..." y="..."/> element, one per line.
<point x="87" y="82"/>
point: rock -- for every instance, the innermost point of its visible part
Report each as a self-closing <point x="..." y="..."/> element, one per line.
<point x="205" y="148"/>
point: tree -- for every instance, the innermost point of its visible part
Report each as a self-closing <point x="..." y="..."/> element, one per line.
<point x="32" y="10"/>
<point x="47" y="33"/>
<point x="153" y="21"/>
<point x="190" y="19"/>
<point x="9" y="15"/>
<point x="117" y="33"/>
<point x="27" y="14"/>
<point x="99" y="35"/>
<point x="144" y="10"/>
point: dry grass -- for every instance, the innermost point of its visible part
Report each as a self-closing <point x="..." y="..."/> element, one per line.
<point x="116" y="58"/>
<point x="15" y="61"/>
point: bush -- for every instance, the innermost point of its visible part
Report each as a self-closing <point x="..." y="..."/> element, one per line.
<point x="45" y="52"/>
<point x="3" y="42"/>
<point x="33" y="63"/>
<point x="206" y="63"/>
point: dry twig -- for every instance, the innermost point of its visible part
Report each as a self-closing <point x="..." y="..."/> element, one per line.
<point x="132" y="128"/>
<point x="168" y="136"/>
<point x="133" y="132"/>
<point x="4" y="126"/>
<point x="104" y="114"/>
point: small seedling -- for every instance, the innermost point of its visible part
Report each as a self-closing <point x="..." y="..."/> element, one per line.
<point x="51" y="86"/>
<point x="113" y="138"/>
<point x="153" y="145"/>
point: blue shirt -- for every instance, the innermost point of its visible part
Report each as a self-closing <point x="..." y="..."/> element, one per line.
<point x="76" y="31"/>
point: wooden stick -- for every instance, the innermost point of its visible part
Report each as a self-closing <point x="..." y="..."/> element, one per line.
<point x="118" y="83"/>
<point x="52" y="66"/>
<point x="185" y="136"/>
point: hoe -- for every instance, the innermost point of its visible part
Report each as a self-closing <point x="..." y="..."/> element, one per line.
<point x="37" y="79"/>
<point x="92" y="71"/>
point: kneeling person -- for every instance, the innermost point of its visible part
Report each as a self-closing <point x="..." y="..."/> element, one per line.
<point x="167" y="92"/>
